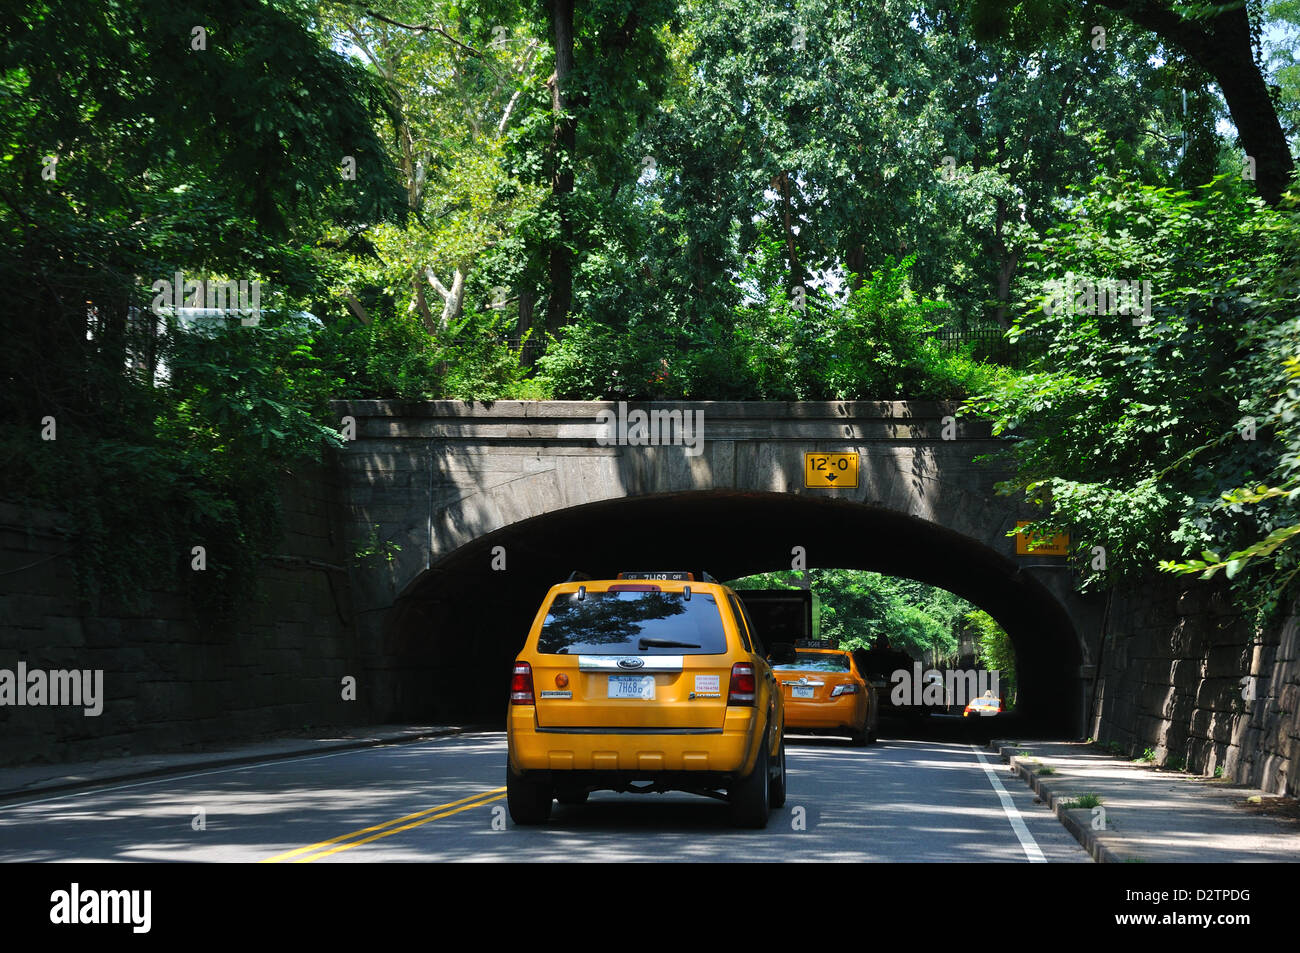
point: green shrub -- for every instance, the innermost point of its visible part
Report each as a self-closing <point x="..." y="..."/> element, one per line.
<point x="1087" y="801"/>
<point x="876" y="343"/>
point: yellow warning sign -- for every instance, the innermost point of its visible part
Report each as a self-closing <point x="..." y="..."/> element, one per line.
<point x="830" y="469"/>
<point x="1059" y="545"/>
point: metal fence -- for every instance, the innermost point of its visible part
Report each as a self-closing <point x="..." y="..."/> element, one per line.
<point x="992" y="344"/>
<point x="529" y="351"/>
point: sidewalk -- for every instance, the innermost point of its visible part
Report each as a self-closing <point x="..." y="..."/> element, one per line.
<point x="31" y="780"/>
<point x="1147" y="815"/>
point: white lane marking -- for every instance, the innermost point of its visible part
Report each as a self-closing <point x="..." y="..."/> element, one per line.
<point x="233" y="767"/>
<point x="1034" y="855"/>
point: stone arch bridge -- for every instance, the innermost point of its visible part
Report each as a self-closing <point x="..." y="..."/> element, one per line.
<point x="430" y="490"/>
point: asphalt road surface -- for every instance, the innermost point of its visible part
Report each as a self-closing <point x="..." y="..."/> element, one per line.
<point x="444" y="800"/>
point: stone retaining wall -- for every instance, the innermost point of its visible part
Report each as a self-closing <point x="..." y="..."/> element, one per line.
<point x="168" y="683"/>
<point x="1172" y="681"/>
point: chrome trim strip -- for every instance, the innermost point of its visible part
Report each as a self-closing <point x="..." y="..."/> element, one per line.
<point x="629" y="731"/>
<point x="650" y="663"/>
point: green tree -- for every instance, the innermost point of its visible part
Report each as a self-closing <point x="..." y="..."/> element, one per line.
<point x="994" y="650"/>
<point x="1130" y="430"/>
<point x="1223" y="38"/>
<point x="858" y="607"/>
<point x="136" y="145"/>
<point x="454" y="104"/>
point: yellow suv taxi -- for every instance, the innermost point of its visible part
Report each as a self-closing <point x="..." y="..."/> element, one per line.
<point x="648" y="682"/>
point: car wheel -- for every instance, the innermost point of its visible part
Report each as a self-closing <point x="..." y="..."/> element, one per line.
<point x="529" y="801"/>
<point x="751" y="796"/>
<point x="859" y="739"/>
<point x="776" y="796"/>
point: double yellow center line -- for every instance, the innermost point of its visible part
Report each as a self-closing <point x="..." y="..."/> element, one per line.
<point x="357" y="838"/>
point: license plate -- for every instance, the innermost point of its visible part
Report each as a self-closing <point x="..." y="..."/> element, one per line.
<point x="632" y="686"/>
<point x="801" y="691"/>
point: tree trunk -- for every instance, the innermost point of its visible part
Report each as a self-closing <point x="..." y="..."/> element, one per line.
<point x="454" y="303"/>
<point x="792" y="247"/>
<point x="1006" y="260"/>
<point x="422" y="305"/>
<point x="1005" y="272"/>
<point x="526" y="302"/>
<point x="856" y="262"/>
<point x="1221" y="45"/>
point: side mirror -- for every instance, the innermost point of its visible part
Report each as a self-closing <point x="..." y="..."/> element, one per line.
<point x="782" y="653"/>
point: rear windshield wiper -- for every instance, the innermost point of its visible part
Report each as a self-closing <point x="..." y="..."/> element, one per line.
<point x="666" y="644"/>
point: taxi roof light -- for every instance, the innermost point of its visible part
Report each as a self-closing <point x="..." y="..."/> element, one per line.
<point x="814" y="644"/>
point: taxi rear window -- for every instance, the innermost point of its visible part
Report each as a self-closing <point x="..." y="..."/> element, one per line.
<point x="633" y="623"/>
<point x="816" y="662"/>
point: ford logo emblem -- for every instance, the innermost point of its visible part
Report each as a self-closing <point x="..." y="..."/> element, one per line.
<point x="630" y="662"/>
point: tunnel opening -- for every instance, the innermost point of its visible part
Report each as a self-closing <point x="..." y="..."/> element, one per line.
<point x="926" y="649"/>
<point x="453" y="634"/>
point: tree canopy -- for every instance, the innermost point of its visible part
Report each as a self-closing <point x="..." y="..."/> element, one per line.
<point x="673" y="200"/>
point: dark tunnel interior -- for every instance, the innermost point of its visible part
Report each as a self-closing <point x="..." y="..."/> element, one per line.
<point x="454" y="633"/>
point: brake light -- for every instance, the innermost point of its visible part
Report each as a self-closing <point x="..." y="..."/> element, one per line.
<point x="850" y="689"/>
<point x="743" y="685"/>
<point x="521" y="685"/>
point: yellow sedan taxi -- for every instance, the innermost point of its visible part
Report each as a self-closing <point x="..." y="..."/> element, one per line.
<point x="647" y="682"/>
<point x="825" y="694"/>
<point x="986" y="704"/>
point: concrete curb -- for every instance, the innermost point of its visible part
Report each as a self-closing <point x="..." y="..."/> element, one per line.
<point x="41" y="788"/>
<point x="1100" y="845"/>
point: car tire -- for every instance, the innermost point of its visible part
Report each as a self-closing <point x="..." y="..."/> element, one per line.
<point x="776" y="796"/>
<point x="751" y="796"/>
<point x="529" y="801"/>
<point x="859" y="739"/>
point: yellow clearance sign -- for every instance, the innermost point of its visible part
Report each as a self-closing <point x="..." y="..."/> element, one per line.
<point x="1059" y="545"/>
<point x="830" y="469"/>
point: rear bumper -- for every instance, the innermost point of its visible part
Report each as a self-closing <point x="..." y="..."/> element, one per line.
<point x="846" y="712"/>
<point x="641" y="753"/>
<point x="640" y="782"/>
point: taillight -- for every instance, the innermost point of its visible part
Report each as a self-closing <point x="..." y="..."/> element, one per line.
<point x="850" y="689"/>
<point x="743" y="686"/>
<point x="521" y="685"/>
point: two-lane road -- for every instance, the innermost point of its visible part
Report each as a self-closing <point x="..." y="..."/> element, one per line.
<point x="444" y="800"/>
